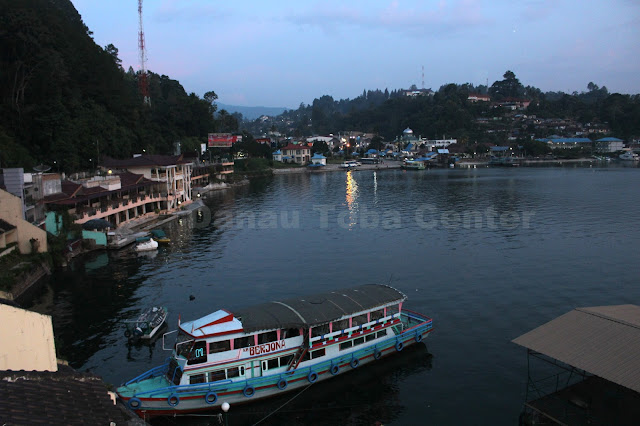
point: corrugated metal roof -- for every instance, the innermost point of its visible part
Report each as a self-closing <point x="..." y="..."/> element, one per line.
<point x="317" y="309"/>
<point x="602" y="340"/>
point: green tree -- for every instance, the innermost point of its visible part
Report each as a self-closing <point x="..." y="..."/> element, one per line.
<point x="509" y="87"/>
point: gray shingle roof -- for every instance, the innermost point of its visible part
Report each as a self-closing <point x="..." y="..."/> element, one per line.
<point x="64" y="397"/>
<point x="602" y="340"/>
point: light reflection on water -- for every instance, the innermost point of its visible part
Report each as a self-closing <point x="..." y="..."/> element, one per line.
<point x="484" y="282"/>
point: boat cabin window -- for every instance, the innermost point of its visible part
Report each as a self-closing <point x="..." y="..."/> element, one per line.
<point x="358" y="341"/>
<point x="380" y="334"/>
<point x="318" y="353"/>
<point x="174" y="374"/>
<point x="269" y="336"/>
<point x="243" y="342"/>
<point x="214" y="376"/>
<point x="184" y="343"/>
<point x="235" y="372"/>
<point x="370" y="337"/>
<point x="197" y="378"/>
<point x="346" y="345"/>
<point x="392" y="310"/>
<point x="376" y="315"/>
<point x="273" y="363"/>
<point x="320" y="330"/>
<point x="215" y="347"/>
<point x="287" y="333"/>
<point x="359" y="320"/>
<point x="198" y="354"/>
<point x="340" y="325"/>
<point x="285" y="360"/>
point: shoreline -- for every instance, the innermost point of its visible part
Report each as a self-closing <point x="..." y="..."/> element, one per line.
<point x="395" y="164"/>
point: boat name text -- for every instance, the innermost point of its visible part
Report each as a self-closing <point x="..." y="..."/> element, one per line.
<point x="265" y="348"/>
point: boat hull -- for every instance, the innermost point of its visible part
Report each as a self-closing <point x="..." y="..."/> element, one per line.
<point x="210" y="396"/>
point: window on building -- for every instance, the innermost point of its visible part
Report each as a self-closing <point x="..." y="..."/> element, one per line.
<point x="215" y="347"/>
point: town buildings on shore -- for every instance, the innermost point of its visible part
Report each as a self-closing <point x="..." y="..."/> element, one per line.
<point x="122" y="190"/>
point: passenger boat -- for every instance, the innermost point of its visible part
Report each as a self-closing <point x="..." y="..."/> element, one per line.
<point x="150" y="244"/>
<point x="629" y="156"/>
<point x="159" y="236"/>
<point x="146" y="324"/>
<point x="413" y="165"/>
<point x="275" y="347"/>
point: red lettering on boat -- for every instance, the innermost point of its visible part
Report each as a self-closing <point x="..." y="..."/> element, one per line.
<point x="265" y="348"/>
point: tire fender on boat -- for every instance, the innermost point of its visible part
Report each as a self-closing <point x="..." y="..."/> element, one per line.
<point x="127" y="333"/>
<point x="354" y="363"/>
<point x="282" y="383"/>
<point x="248" y="391"/>
<point x="377" y="354"/>
<point x="335" y="369"/>
<point x="211" y="397"/>
<point x="173" y="400"/>
<point x="399" y="346"/>
<point x="418" y="336"/>
<point x="312" y="377"/>
<point x="134" y="403"/>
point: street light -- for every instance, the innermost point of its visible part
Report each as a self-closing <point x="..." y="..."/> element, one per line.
<point x="225" y="408"/>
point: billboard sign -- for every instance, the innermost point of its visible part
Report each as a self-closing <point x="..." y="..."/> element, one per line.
<point x="222" y="140"/>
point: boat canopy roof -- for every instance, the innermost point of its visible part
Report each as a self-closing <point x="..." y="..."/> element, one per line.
<point x="317" y="309"/>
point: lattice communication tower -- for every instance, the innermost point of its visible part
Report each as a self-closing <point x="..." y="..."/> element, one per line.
<point x="142" y="80"/>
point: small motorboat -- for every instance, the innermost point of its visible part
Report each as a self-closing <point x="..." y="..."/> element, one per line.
<point x="160" y="236"/>
<point x="147" y="323"/>
<point x="150" y="244"/>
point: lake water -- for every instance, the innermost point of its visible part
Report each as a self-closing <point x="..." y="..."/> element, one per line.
<point x="489" y="254"/>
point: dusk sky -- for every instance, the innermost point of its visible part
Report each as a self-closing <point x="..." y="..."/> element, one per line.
<point x="282" y="53"/>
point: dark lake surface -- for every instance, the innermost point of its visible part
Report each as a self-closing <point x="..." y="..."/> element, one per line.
<point x="489" y="254"/>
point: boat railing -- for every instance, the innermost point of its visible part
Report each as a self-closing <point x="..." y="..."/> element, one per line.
<point x="160" y="370"/>
<point x="219" y="386"/>
<point x="355" y="328"/>
<point x="163" y="336"/>
<point x="424" y="325"/>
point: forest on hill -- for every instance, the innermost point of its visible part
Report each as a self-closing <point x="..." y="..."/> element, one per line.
<point x="65" y="101"/>
<point x="448" y="111"/>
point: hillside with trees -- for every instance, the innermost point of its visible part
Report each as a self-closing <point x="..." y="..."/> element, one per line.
<point x="449" y="112"/>
<point x="65" y="100"/>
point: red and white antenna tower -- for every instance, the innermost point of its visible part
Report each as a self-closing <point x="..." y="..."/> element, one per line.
<point x="142" y="80"/>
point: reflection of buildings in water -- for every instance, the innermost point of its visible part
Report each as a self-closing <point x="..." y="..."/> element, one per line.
<point x="351" y="198"/>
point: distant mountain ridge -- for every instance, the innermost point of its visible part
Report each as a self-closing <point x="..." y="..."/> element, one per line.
<point x="251" y="113"/>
